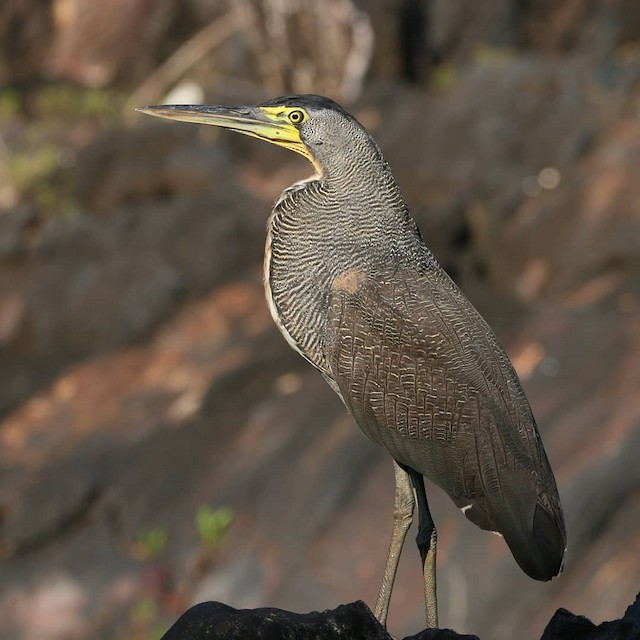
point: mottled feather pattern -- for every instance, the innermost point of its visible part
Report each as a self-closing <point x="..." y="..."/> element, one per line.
<point x="425" y="377"/>
<point x="308" y="245"/>
<point x="354" y="289"/>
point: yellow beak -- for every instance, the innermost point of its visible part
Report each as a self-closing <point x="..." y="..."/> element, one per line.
<point x="251" y="121"/>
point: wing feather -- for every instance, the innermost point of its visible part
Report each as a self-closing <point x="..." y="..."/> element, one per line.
<point x="426" y="378"/>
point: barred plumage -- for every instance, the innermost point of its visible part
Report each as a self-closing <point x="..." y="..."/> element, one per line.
<point x="354" y="289"/>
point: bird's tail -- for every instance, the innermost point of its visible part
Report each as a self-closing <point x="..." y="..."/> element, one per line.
<point x="536" y="536"/>
<point x="533" y="530"/>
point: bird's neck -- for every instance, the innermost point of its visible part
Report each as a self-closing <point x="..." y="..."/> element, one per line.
<point x="325" y="226"/>
<point x="354" y="215"/>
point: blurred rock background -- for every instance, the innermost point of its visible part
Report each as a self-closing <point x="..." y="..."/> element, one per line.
<point x="160" y="444"/>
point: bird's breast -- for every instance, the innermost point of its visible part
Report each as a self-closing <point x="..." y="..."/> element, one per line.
<point x="319" y="238"/>
<point x="298" y="272"/>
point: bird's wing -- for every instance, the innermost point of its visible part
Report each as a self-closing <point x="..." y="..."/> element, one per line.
<point x="425" y="377"/>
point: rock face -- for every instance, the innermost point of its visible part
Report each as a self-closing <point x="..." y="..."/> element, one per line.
<point x="143" y="386"/>
<point x="565" y="624"/>
<point x="216" y="621"/>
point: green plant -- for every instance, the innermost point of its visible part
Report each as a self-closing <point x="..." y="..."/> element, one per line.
<point x="212" y="525"/>
<point x="151" y="543"/>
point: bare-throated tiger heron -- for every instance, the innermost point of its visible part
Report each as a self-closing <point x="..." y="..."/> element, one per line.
<point x="353" y="288"/>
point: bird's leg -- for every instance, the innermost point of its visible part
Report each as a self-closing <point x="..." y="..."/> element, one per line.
<point x="426" y="541"/>
<point x="402" y="518"/>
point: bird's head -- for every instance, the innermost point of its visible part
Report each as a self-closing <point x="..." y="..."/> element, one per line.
<point x="316" y="127"/>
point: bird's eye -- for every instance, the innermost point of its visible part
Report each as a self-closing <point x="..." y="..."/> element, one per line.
<point x="296" y="116"/>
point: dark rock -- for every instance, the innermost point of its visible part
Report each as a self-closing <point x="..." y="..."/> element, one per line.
<point x="216" y="621"/>
<point x="441" y="634"/>
<point x="211" y="620"/>
<point x="354" y="621"/>
<point x="565" y="624"/>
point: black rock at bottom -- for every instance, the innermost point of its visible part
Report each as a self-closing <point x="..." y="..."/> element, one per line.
<point x="565" y="624"/>
<point x="213" y="620"/>
<point x="354" y="621"/>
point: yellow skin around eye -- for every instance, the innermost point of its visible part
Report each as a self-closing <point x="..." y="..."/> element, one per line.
<point x="293" y="115"/>
<point x="296" y="117"/>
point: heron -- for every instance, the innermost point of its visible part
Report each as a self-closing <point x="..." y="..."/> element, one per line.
<point x="353" y="288"/>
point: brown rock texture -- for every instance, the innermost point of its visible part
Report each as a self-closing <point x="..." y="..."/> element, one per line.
<point x="161" y="445"/>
